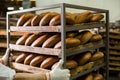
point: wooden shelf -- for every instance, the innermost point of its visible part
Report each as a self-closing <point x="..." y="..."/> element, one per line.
<point x="114" y="69"/>
<point x="114" y="64"/>
<point x="114" y="58"/>
<point x="27" y="68"/>
<point x="3" y="45"/>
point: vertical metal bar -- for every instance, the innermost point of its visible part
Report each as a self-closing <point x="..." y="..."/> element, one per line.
<point x="107" y="45"/>
<point x="63" y="34"/>
<point x="7" y="32"/>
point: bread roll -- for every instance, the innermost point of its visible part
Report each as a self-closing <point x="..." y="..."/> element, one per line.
<point x="46" y="19"/>
<point x="83" y="17"/>
<point x="38" y="60"/>
<point x="71" y="64"/>
<point x="39" y="41"/>
<point x="97" y="55"/>
<point x="21" y="57"/>
<point x="21" y="40"/>
<point x="24" y="18"/>
<point x="32" y="38"/>
<point x="96" y="37"/>
<point x="86" y="36"/>
<point x="29" y="58"/>
<point x="83" y="58"/>
<point x="70" y="42"/>
<point x="71" y="34"/>
<point x="98" y="77"/>
<point x="97" y="17"/>
<point x="54" y="65"/>
<point x="89" y="77"/>
<point x="48" y="62"/>
<point x="50" y="42"/>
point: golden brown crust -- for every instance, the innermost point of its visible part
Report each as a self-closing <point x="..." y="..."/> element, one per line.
<point x="39" y="41"/>
<point x="71" y="34"/>
<point x="71" y="64"/>
<point x="21" y="57"/>
<point x="38" y="60"/>
<point x="96" y="37"/>
<point x="22" y="39"/>
<point x="29" y="58"/>
<point x="54" y="65"/>
<point x="83" y="58"/>
<point x="48" y="62"/>
<point x="28" y="22"/>
<point x="46" y="19"/>
<point x="97" y="17"/>
<point x="24" y="18"/>
<point x="97" y="56"/>
<point x="32" y="38"/>
<point x="98" y="77"/>
<point x="50" y="42"/>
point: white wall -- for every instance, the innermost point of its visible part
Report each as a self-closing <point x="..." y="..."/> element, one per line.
<point x="112" y="5"/>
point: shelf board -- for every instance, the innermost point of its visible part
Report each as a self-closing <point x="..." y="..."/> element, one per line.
<point x="55" y="28"/>
<point x="114" y="58"/>
<point x="83" y="48"/>
<point x="115" y="48"/>
<point x="114" y="69"/>
<point x="115" y="53"/>
<point x="27" y="68"/>
<point x="116" y="43"/>
<point x="114" y="37"/>
<point x="87" y="71"/>
<point x="3" y="45"/>
<point x="38" y="50"/>
<point x="114" y="64"/>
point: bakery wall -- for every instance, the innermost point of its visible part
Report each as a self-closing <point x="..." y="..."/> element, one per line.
<point x="112" y="5"/>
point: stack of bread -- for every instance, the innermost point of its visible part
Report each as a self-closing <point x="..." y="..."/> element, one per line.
<point x="54" y="18"/>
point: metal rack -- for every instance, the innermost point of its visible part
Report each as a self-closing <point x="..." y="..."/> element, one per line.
<point x="63" y="29"/>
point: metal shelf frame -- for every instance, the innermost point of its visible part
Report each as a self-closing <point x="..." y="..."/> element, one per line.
<point x="63" y="7"/>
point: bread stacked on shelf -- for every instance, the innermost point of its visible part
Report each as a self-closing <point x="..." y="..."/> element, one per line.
<point x="54" y="18"/>
<point x="114" y="49"/>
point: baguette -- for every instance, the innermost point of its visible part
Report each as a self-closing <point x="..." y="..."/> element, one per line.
<point x="50" y="42"/>
<point x="38" y="60"/>
<point x="96" y="37"/>
<point x="97" y="17"/>
<point x="24" y="18"/>
<point x="32" y="38"/>
<point x="97" y="56"/>
<point x="21" y="40"/>
<point x="29" y="58"/>
<point x="46" y="19"/>
<point x="84" y="17"/>
<point x="28" y="22"/>
<point x="86" y="36"/>
<point x="21" y="57"/>
<point x="83" y="58"/>
<point x="70" y="42"/>
<point x="70" y="64"/>
<point x="39" y="41"/>
<point x="48" y="62"/>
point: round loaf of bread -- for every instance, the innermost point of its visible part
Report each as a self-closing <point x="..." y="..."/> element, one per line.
<point x="98" y="77"/>
<point x="70" y="42"/>
<point x="21" y="40"/>
<point x="36" y="61"/>
<point x="97" y="55"/>
<point x="97" y="17"/>
<point x="70" y="64"/>
<point x="21" y="57"/>
<point x="24" y="18"/>
<point x="50" y="42"/>
<point x="83" y="58"/>
<point x="48" y="62"/>
<point x="29" y="58"/>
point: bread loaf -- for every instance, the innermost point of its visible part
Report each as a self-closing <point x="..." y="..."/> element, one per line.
<point x="29" y="58"/>
<point x="98" y="77"/>
<point x="38" y="60"/>
<point x="83" y="58"/>
<point x="54" y="65"/>
<point x="83" y="17"/>
<point x="70" y="42"/>
<point x="86" y="36"/>
<point x="96" y="37"/>
<point x="50" y="42"/>
<point x="32" y="38"/>
<point x="89" y="77"/>
<point x="28" y="22"/>
<point x="71" y="64"/>
<point x="24" y="18"/>
<point x="46" y="19"/>
<point x="97" y="17"/>
<point x="21" y="57"/>
<point x="71" y="34"/>
<point x="21" y="40"/>
<point x="39" y="41"/>
<point x="48" y="62"/>
<point x="97" y="56"/>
